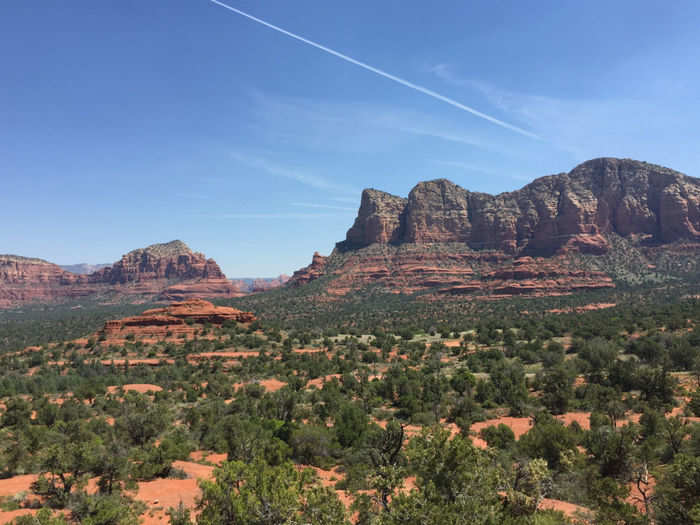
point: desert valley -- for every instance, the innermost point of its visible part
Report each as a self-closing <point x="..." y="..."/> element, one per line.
<point x="512" y="348"/>
<point x="349" y="263"/>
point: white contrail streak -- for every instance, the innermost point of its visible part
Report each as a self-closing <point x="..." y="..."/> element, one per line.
<point x="384" y="74"/>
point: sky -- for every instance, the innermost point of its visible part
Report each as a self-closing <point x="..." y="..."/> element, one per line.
<point x="126" y="123"/>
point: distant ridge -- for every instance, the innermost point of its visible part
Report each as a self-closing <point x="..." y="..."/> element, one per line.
<point x="82" y="268"/>
<point x="164" y="271"/>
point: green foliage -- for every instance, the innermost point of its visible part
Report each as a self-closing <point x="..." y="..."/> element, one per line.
<point x="678" y="492"/>
<point x="548" y="439"/>
<point x="350" y="424"/>
<point x="454" y="480"/>
<point x="500" y="437"/>
<point x="259" y="494"/>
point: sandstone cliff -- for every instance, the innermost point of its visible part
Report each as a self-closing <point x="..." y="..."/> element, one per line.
<point x="448" y="239"/>
<point x="173" y="260"/>
<point x="24" y="279"/>
<point x="574" y="209"/>
<point x="169" y="271"/>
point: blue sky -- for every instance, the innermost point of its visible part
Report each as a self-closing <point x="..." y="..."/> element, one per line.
<point x="126" y="123"/>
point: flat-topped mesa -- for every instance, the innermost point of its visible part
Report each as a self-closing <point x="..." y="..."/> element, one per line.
<point x="553" y="213"/>
<point x="173" y="320"/>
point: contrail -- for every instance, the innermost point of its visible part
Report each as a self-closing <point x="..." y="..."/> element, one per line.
<point x="382" y="73"/>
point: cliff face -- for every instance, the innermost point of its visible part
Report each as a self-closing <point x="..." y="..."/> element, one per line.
<point x="168" y="271"/>
<point x="601" y="196"/>
<point x="173" y="260"/>
<point x="448" y="239"/>
<point x="311" y="272"/>
<point x="379" y="219"/>
<point x="24" y="279"/>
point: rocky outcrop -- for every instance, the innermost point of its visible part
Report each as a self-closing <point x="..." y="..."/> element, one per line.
<point x="378" y="220"/>
<point x="175" y="320"/>
<point x="169" y="261"/>
<point x="451" y="269"/>
<point x="448" y="240"/>
<point x="169" y="271"/>
<point x="210" y="288"/>
<point x="311" y="272"/>
<point x="24" y="279"/>
<point x="567" y="211"/>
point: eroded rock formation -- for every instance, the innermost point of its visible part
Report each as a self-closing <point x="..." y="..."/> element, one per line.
<point x="24" y="279"/>
<point x="572" y="209"/>
<point x="311" y="272"/>
<point x="173" y="321"/>
<point x="169" y="271"/>
<point x="450" y="240"/>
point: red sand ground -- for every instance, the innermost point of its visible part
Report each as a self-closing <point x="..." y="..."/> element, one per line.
<point x="16" y="484"/>
<point x="209" y="355"/>
<point x="141" y="388"/>
<point x="161" y="494"/>
<point x="569" y="509"/>
<point x="519" y="425"/>
<point x="308" y="350"/>
<point x="635" y="496"/>
<point x="6" y="516"/>
<point x="270" y="385"/>
<point x="319" y="381"/>
<point x="210" y="457"/>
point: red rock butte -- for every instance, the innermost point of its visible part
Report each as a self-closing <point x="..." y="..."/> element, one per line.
<point x="447" y="239"/>
<point x="168" y="271"/>
<point x="173" y="320"/>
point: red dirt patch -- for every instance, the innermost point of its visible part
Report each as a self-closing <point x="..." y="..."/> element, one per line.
<point x="6" y="516"/>
<point x="161" y="494"/>
<point x="571" y="510"/>
<point x="519" y="425"/>
<point x="319" y="381"/>
<point x="16" y="484"/>
<point x="210" y="457"/>
<point x="141" y="388"/>
<point x="308" y="350"/>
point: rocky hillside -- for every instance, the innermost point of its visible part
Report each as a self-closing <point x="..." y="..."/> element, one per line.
<point x="446" y="238"/>
<point x="24" y="279"/>
<point x="598" y="197"/>
<point x="169" y="271"/>
<point x="174" y="322"/>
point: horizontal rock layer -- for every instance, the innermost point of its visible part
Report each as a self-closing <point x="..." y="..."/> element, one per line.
<point x="448" y="240"/>
<point x="169" y="271"/>
<point x="173" y="320"/>
<point x="449" y="269"/>
<point x="569" y="210"/>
